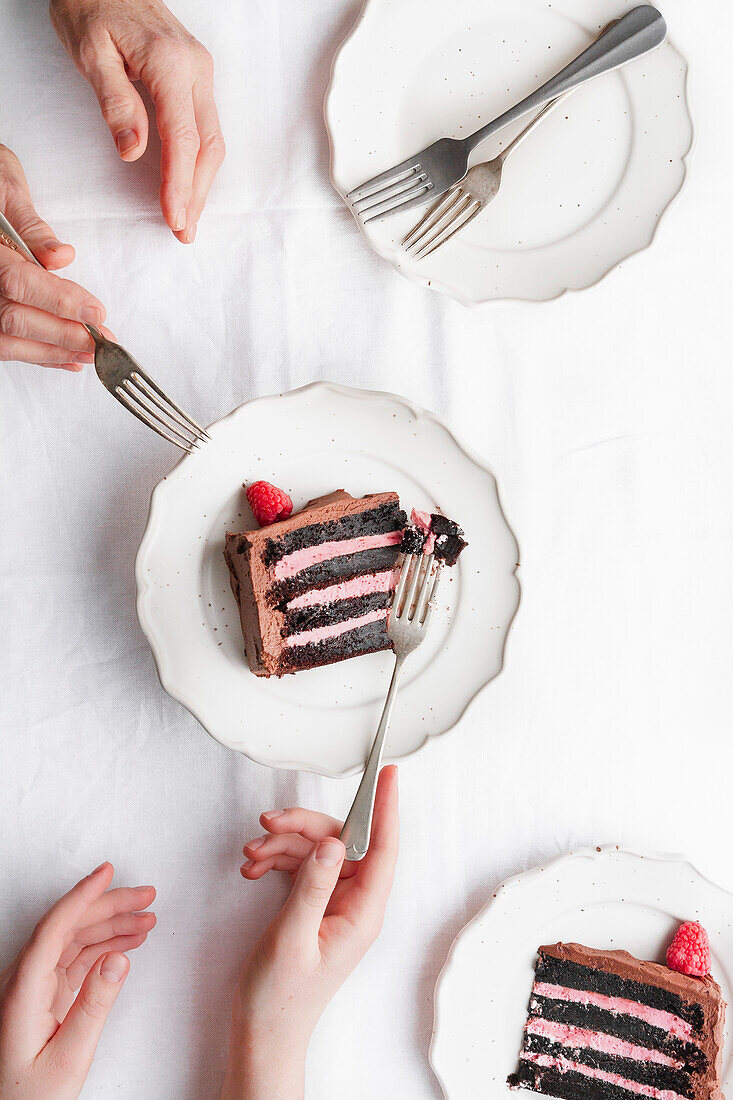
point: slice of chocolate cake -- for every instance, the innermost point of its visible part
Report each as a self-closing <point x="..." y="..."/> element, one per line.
<point x="605" y="1026"/>
<point x="316" y="588"/>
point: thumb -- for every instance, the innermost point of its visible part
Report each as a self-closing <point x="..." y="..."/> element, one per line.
<point x="77" y="1037"/>
<point x="301" y="916"/>
<point x="122" y="108"/>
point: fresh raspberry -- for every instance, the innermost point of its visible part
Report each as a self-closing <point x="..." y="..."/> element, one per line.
<point x="268" y="503"/>
<point x="689" y="951"/>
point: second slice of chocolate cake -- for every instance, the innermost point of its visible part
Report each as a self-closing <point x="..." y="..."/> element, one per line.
<point x="604" y="1025"/>
<point x="316" y="588"/>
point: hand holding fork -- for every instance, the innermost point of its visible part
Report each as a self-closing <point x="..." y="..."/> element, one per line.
<point x="407" y="625"/>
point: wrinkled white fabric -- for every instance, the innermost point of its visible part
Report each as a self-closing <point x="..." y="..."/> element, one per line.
<point x="607" y="418"/>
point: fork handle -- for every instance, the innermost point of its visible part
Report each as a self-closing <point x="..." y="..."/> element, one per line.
<point x="358" y="825"/>
<point x="630" y="37"/>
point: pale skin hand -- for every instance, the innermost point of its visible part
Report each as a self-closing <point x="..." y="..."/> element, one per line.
<point x="48" y="1031"/>
<point x="116" y="42"/>
<point x="331" y="918"/>
<point x="40" y="313"/>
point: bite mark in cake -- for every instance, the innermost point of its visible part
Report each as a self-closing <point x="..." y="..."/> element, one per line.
<point x="603" y="1025"/>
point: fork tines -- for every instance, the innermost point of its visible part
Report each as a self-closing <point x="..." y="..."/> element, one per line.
<point x="444" y="219"/>
<point x="405" y="185"/>
<point x="145" y="400"/>
<point x="416" y="588"/>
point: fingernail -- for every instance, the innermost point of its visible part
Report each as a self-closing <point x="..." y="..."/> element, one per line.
<point x="142" y="887"/>
<point x="100" y="868"/>
<point x="114" y="968"/>
<point x="329" y="852"/>
<point x="252" y="844"/>
<point x="247" y="865"/>
<point x="126" y="141"/>
<point x="84" y="357"/>
<point x="272" y="813"/>
<point x="191" y="233"/>
<point x="52" y="245"/>
<point x="180" y="222"/>
<point x="91" y="315"/>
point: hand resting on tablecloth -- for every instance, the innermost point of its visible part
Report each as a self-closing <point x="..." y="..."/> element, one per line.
<point x="48" y="1031"/>
<point x="332" y="916"/>
<point x="116" y="42"/>
<point x="40" y="313"/>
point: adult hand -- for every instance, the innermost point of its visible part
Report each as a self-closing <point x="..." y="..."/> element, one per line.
<point x="40" y="313"/>
<point x="116" y="42"/>
<point x="48" y="1031"/>
<point x="332" y="916"/>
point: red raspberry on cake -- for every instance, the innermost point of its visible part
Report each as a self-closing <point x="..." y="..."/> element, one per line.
<point x="689" y="951"/>
<point x="268" y="503"/>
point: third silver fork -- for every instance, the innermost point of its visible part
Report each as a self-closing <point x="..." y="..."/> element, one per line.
<point x="407" y="625"/>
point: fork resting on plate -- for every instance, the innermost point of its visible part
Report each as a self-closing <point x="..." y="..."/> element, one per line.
<point x="430" y="172"/>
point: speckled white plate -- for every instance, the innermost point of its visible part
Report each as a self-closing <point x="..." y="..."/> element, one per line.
<point x="311" y="441"/>
<point x="601" y="897"/>
<point x="583" y="193"/>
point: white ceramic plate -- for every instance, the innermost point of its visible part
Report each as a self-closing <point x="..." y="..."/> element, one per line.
<point x="601" y="897"/>
<point x="583" y="193"/>
<point x="311" y="441"/>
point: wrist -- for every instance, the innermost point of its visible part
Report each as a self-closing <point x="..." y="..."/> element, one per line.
<point x="262" y="1065"/>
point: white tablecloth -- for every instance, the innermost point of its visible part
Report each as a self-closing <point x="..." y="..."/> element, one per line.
<point x="607" y="418"/>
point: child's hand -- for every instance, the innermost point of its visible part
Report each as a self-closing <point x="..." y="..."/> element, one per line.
<point x="331" y="918"/>
<point x="47" y="1037"/>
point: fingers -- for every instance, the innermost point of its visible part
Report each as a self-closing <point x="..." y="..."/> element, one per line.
<point x="29" y="323"/>
<point x="312" y="825"/>
<point x="125" y="899"/>
<point x="284" y="852"/>
<point x="301" y="916"/>
<point x="76" y="1040"/>
<point x="85" y="960"/>
<point x="18" y="206"/>
<point x="124" y="924"/>
<point x="122" y="108"/>
<point x="23" y="282"/>
<point x="211" y="152"/>
<point x="55" y="931"/>
<point x="290" y="844"/>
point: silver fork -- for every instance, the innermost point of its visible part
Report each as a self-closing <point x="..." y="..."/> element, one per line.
<point x="124" y="377"/>
<point x="465" y="201"/>
<point x="407" y="625"/>
<point x="430" y="172"/>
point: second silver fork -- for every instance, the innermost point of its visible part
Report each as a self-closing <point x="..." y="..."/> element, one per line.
<point x="407" y="625"/>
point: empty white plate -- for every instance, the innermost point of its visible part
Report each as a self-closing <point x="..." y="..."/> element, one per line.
<point x="585" y="191"/>
<point x="309" y="442"/>
<point x="600" y="897"/>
